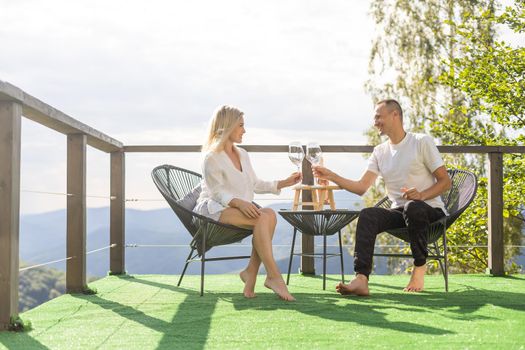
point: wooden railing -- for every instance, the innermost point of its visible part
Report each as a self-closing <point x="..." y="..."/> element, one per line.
<point x="15" y="104"/>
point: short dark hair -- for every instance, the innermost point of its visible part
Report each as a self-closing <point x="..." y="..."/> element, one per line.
<point x="392" y="104"/>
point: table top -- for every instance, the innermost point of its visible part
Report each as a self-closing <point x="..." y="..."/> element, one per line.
<point x="316" y="187"/>
<point x="323" y="211"/>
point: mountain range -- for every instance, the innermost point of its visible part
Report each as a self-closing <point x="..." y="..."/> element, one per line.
<point x="157" y="242"/>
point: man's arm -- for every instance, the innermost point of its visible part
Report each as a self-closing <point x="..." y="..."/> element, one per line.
<point x="358" y="187"/>
<point x="442" y="184"/>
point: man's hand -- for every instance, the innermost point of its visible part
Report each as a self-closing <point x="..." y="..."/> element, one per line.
<point x="290" y="180"/>
<point x="323" y="173"/>
<point x="247" y="208"/>
<point x="411" y="194"/>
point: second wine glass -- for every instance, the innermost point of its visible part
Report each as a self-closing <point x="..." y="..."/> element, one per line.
<point x="314" y="153"/>
<point x="296" y="154"/>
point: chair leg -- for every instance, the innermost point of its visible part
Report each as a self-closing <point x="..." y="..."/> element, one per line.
<point x="291" y="256"/>
<point x="324" y="261"/>
<point x="446" y="257"/>
<point x="341" y="257"/>
<point x="185" y="266"/>
<point x="203" y="260"/>
<point x="437" y="251"/>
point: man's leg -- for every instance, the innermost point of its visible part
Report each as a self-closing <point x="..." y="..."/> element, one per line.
<point x="371" y="222"/>
<point x="418" y="216"/>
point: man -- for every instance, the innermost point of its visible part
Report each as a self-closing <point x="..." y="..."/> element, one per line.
<point x="415" y="176"/>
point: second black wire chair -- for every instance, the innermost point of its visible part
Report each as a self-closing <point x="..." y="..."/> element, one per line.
<point x="456" y="200"/>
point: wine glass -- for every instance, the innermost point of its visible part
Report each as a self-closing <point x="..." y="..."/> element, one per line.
<point x="296" y="154"/>
<point x="314" y="153"/>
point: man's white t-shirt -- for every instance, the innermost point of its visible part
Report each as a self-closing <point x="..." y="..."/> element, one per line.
<point x="410" y="163"/>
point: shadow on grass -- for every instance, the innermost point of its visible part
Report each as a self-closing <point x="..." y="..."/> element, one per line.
<point x="20" y="340"/>
<point x="373" y="311"/>
<point x="330" y="307"/>
<point x="190" y="325"/>
<point x="188" y="328"/>
<point x="324" y="306"/>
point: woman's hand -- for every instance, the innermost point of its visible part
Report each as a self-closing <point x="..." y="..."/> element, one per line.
<point x="247" y="208"/>
<point x="290" y="180"/>
<point x="323" y="173"/>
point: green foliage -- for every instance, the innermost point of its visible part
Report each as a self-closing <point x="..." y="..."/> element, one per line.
<point x="19" y="325"/>
<point x="89" y="291"/>
<point x="39" y="285"/>
<point x="490" y="74"/>
<point x="463" y="86"/>
<point x="42" y="284"/>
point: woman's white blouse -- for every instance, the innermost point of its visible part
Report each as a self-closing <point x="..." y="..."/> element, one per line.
<point x="222" y="181"/>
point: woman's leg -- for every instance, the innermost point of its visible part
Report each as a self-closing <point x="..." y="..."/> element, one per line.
<point x="263" y="230"/>
<point x="249" y="275"/>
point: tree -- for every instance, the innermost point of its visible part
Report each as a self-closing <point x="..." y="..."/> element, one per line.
<point x="420" y="49"/>
<point x="492" y="77"/>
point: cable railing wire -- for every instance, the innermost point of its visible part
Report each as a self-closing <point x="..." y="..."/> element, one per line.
<point x="67" y="194"/>
<point x="158" y="199"/>
<point x="135" y="245"/>
<point x="65" y="259"/>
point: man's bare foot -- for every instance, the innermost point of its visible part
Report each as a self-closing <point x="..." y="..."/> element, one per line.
<point x="417" y="279"/>
<point x="279" y="287"/>
<point x="358" y="286"/>
<point x="249" y="283"/>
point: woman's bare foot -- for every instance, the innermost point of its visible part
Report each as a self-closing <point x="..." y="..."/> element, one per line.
<point x="358" y="286"/>
<point x="279" y="287"/>
<point x="249" y="283"/>
<point x="417" y="279"/>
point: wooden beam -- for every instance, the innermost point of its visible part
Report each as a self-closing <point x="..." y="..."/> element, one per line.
<point x="76" y="213"/>
<point x="42" y="113"/>
<point x="495" y="240"/>
<point x="117" y="214"/>
<point x="325" y="148"/>
<point x="307" y="243"/>
<point x="481" y="149"/>
<point x="10" y="133"/>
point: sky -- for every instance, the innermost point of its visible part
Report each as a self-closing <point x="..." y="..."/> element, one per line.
<point x="153" y="72"/>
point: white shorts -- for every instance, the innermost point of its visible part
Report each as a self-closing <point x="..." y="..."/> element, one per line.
<point x="202" y="209"/>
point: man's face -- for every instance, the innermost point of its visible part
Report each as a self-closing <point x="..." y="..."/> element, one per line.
<point x="383" y="119"/>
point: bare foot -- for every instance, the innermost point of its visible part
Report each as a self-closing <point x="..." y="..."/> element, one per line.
<point x="249" y="283"/>
<point x="279" y="288"/>
<point x="417" y="280"/>
<point x="358" y="286"/>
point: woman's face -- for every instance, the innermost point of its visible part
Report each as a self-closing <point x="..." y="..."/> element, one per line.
<point x="238" y="131"/>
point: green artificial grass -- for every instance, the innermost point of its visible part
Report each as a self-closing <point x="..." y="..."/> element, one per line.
<point x="149" y="312"/>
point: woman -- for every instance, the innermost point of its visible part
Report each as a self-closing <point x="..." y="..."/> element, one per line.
<point x="227" y="192"/>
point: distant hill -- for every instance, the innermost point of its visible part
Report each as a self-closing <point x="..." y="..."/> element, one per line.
<point x="43" y="238"/>
<point x="39" y="285"/>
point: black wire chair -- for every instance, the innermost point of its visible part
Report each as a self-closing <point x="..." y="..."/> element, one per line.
<point x="318" y="223"/>
<point x="456" y="200"/>
<point x="180" y="188"/>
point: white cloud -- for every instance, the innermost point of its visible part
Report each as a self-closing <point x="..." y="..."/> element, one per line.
<point x="152" y="73"/>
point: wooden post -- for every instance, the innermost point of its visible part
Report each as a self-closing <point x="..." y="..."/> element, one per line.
<point x="10" y="133"/>
<point x="117" y="221"/>
<point x="307" y="263"/>
<point x="76" y="213"/>
<point x="496" y="248"/>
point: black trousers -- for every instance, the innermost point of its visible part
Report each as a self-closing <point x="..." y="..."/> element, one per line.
<point x="415" y="215"/>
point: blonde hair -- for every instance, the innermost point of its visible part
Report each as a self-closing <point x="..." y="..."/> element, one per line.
<point x="224" y="120"/>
